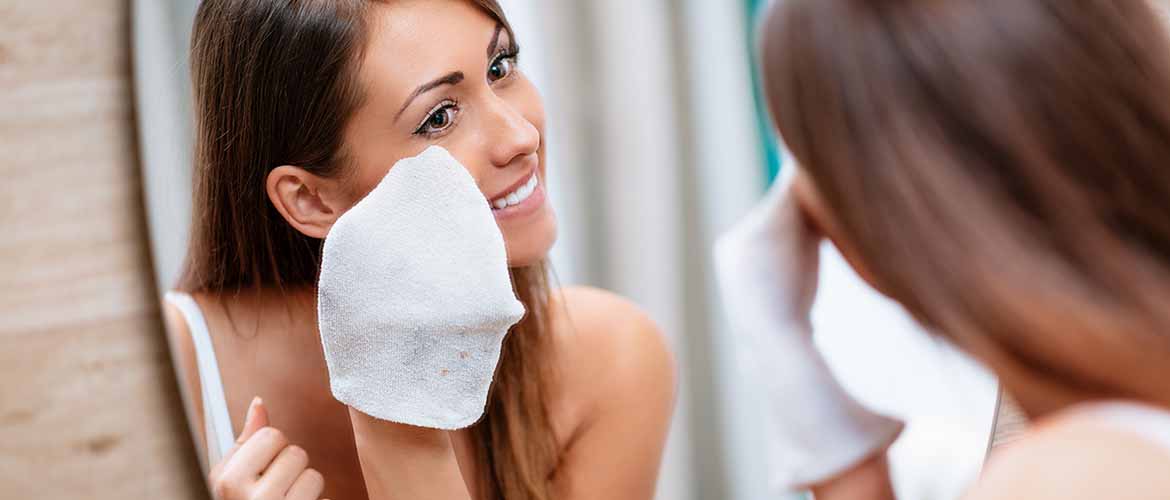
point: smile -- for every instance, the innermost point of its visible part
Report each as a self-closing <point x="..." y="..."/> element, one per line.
<point x="518" y="196"/>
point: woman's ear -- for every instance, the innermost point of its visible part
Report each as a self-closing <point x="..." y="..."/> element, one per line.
<point x="309" y="203"/>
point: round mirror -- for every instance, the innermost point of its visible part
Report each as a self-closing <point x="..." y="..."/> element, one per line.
<point x="658" y="144"/>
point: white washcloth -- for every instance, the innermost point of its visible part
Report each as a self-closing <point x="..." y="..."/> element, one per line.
<point x="415" y="298"/>
<point x="767" y="268"/>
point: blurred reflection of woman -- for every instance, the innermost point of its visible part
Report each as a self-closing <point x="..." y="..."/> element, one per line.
<point x="302" y="107"/>
<point x="999" y="167"/>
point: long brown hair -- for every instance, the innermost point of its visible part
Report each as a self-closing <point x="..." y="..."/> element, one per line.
<point x="1002" y="168"/>
<point x="275" y="84"/>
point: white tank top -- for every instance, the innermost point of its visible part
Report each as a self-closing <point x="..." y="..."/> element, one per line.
<point x="217" y="422"/>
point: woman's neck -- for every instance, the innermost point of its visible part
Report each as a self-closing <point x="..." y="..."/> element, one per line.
<point x="289" y="313"/>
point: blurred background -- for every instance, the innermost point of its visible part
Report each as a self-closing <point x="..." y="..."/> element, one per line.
<point x="658" y="142"/>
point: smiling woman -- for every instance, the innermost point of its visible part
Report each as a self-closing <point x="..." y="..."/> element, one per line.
<point x="302" y="108"/>
<point x="475" y="103"/>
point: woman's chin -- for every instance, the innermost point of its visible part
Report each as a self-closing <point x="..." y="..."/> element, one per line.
<point x="530" y="248"/>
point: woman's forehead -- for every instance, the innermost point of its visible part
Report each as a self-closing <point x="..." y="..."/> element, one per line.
<point x="413" y="41"/>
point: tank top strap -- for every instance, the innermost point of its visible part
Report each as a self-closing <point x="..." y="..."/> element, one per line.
<point x="217" y="423"/>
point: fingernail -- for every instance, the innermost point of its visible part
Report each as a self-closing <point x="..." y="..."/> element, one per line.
<point x="256" y="401"/>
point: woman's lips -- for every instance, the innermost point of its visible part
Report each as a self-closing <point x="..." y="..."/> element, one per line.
<point x="525" y="199"/>
<point x="516" y="193"/>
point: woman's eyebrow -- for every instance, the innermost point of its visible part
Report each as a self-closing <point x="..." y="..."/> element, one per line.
<point x="491" y="51"/>
<point x="452" y="78"/>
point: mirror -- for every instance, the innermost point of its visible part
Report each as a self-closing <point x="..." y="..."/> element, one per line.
<point x="638" y="206"/>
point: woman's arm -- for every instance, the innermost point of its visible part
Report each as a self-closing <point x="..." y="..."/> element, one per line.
<point x="405" y="462"/>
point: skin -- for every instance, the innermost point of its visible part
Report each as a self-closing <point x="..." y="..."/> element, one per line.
<point x="613" y="395"/>
<point x="264" y="465"/>
<point x="1066" y="454"/>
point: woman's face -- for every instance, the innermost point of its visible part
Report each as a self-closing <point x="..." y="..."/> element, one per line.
<point x="444" y="73"/>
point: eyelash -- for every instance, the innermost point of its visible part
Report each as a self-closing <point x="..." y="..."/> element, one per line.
<point x="510" y="53"/>
<point x="442" y="107"/>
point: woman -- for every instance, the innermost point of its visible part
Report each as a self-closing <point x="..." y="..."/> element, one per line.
<point x="302" y="107"/>
<point x="999" y="167"/>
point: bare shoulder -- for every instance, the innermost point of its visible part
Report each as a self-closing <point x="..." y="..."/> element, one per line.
<point x="1074" y="457"/>
<point x="607" y="347"/>
<point x="182" y="348"/>
<point x="616" y="380"/>
<point x="608" y="331"/>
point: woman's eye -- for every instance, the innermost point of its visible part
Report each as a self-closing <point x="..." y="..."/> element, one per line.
<point x="439" y="120"/>
<point x="501" y="67"/>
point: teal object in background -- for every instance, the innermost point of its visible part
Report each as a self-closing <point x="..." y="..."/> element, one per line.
<point x="771" y="148"/>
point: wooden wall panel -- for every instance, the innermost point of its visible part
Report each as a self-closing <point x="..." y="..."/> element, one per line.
<point x="88" y="403"/>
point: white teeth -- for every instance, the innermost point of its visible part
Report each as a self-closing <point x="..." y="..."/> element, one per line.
<point x="519" y="195"/>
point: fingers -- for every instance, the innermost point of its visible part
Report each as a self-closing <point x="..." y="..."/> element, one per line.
<point x="283" y="472"/>
<point x="255" y="419"/>
<point x="308" y="486"/>
<point x="255" y="454"/>
<point x="264" y="465"/>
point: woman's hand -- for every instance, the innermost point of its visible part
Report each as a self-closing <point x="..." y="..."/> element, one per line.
<point x="868" y="481"/>
<point x="415" y="275"/>
<point x="264" y="466"/>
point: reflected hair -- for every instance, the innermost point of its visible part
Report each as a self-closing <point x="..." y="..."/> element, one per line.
<point x="275" y="83"/>
<point x="1001" y="168"/>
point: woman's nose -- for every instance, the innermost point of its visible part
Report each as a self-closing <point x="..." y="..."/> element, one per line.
<point x="511" y="136"/>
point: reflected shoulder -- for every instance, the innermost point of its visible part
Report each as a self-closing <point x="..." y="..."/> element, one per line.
<point x="1076" y="458"/>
